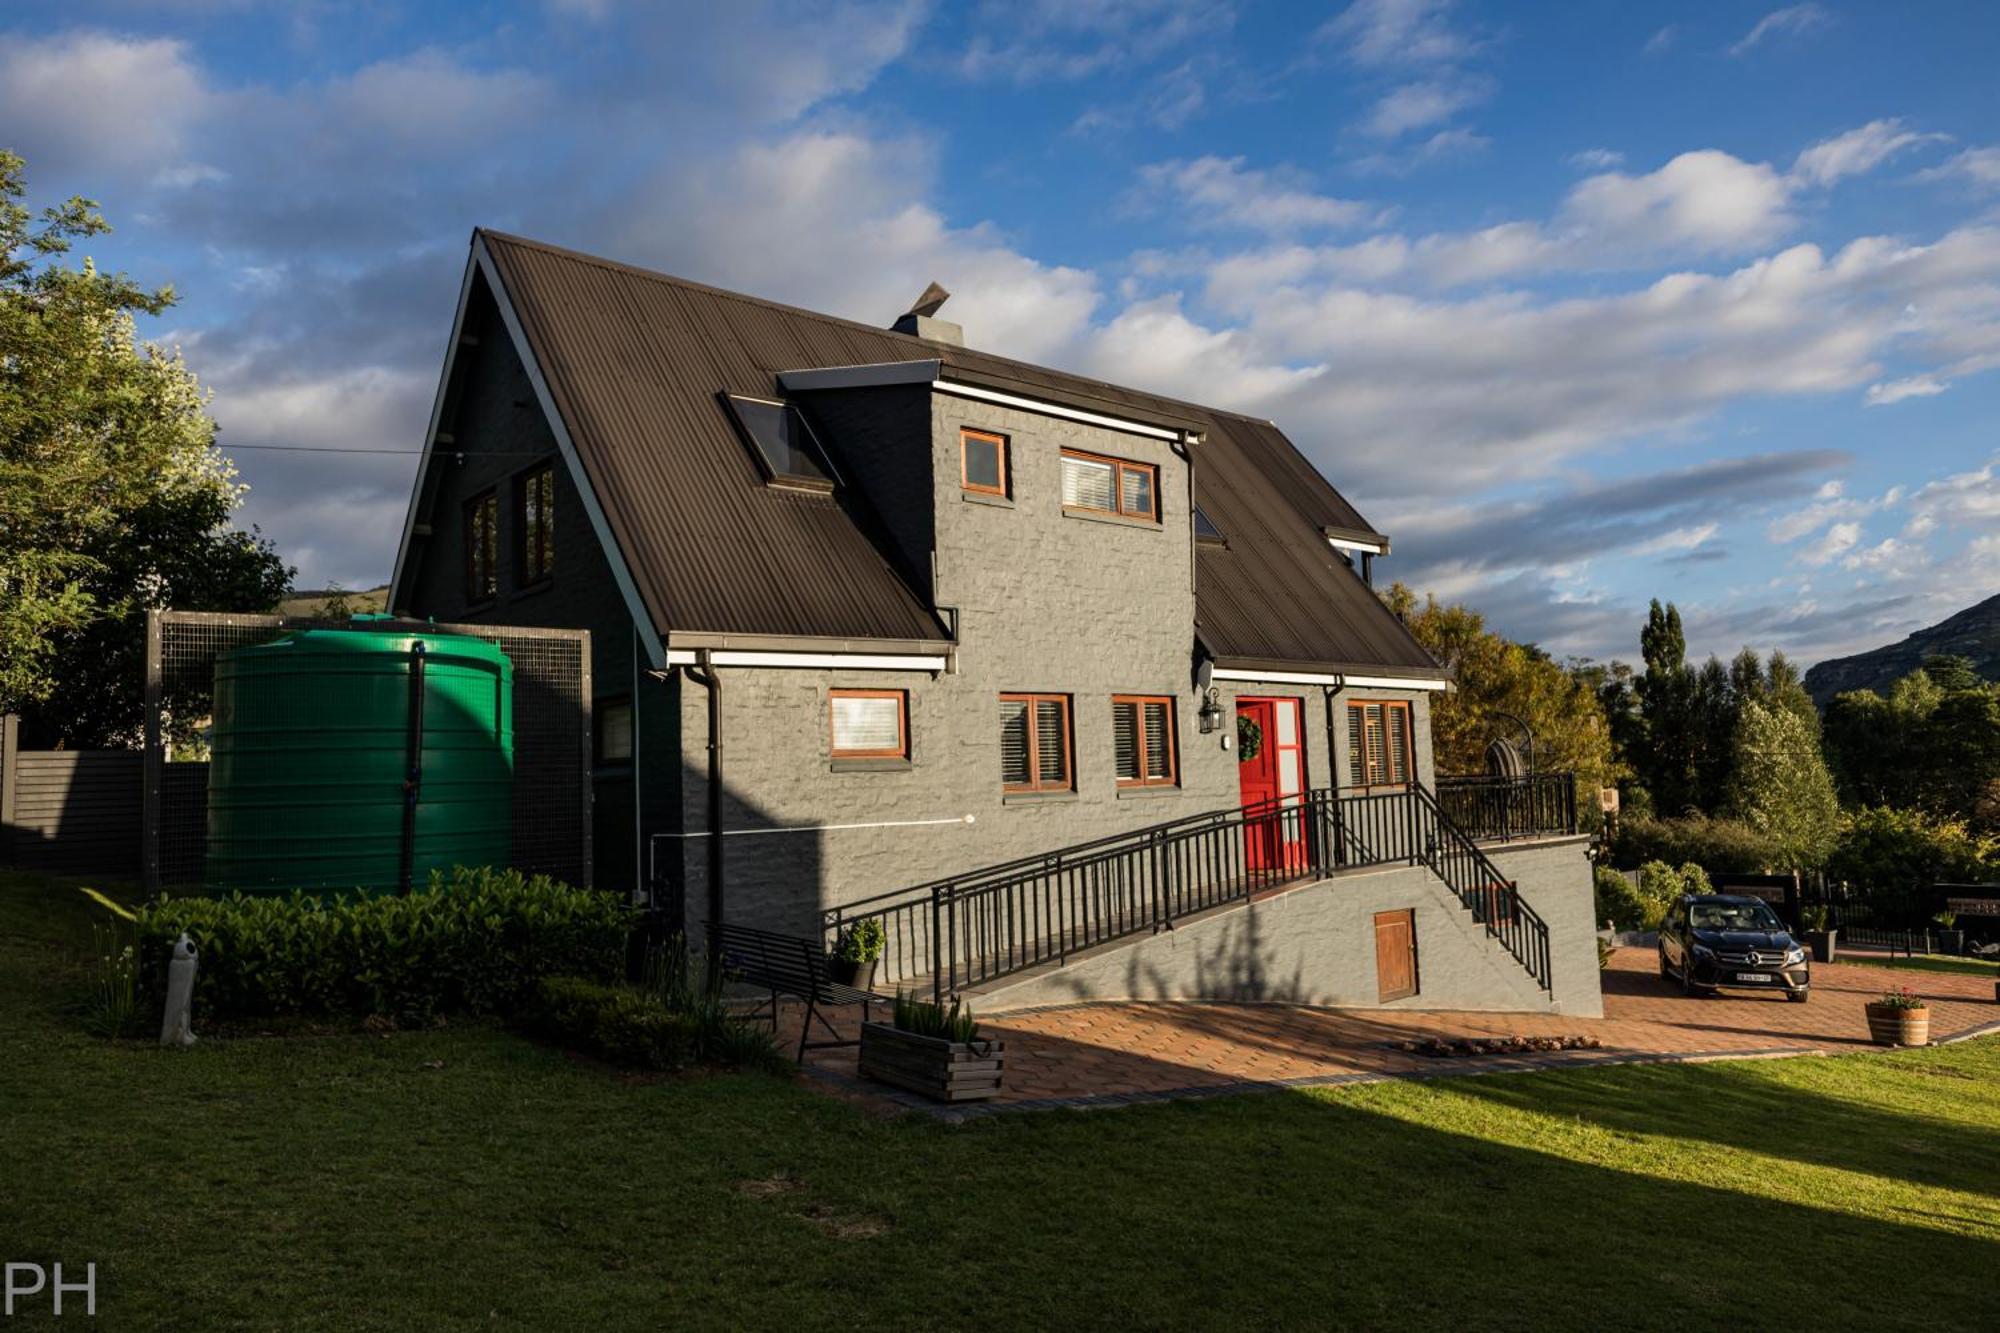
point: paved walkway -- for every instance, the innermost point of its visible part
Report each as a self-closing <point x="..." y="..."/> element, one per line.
<point x="1113" y="1054"/>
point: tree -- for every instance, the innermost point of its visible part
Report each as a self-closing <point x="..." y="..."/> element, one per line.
<point x="1666" y="761"/>
<point x="1925" y="747"/>
<point x="1494" y="680"/>
<point x="1780" y="785"/>
<point x="113" y="495"/>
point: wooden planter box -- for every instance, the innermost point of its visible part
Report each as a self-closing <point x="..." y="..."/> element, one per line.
<point x="1899" y="1027"/>
<point x="945" y="1071"/>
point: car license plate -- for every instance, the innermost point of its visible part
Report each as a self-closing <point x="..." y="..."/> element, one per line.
<point x="1751" y="976"/>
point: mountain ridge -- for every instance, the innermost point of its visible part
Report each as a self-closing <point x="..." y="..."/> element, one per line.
<point x="1973" y="633"/>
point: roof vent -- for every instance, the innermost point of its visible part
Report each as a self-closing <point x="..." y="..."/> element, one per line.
<point x="921" y="320"/>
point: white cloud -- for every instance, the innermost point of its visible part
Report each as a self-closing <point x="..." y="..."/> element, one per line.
<point x="1596" y="159"/>
<point x="1887" y="558"/>
<point x="1223" y="192"/>
<point x="1790" y="21"/>
<point x="1831" y="502"/>
<point x="1962" y="500"/>
<point x="1835" y="542"/>
<point x="1702" y="201"/>
<point x="1444" y="146"/>
<point x="1663" y="40"/>
<point x="1977" y="167"/>
<point x="1067" y="40"/>
<point x="1389" y="33"/>
<point x="1855" y="152"/>
<point x="1414" y="106"/>
<point x="93" y="104"/>
<point x="1677" y="539"/>
<point x="1895" y="391"/>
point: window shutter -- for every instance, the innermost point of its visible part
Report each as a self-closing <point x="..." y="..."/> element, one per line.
<point x="1087" y="484"/>
<point x="1125" y="740"/>
<point x="1014" y="770"/>
<point x="1159" y="742"/>
<point x="1357" y="749"/>
<point x="1396" y="722"/>
<point x="1051" y="755"/>
<point x="869" y="722"/>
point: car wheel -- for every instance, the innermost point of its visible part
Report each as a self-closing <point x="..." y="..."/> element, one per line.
<point x="1687" y="978"/>
<point x="1666" y="973"/>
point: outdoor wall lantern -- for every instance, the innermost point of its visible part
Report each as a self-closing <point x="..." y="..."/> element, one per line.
<point x="1210" y="715"/>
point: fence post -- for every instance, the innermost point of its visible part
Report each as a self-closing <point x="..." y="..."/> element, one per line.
<point x="10" y="770"/>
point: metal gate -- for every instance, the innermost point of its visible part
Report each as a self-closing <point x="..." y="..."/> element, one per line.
<point x="552" y="736"/>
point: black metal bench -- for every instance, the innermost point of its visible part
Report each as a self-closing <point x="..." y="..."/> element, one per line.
<point x="795" y="966"/>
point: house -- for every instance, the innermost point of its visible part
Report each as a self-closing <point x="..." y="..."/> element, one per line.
<point x="927" y="610"/>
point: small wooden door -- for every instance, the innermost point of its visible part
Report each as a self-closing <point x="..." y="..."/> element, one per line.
<point x="1274" y="776"/>
<point x="1395" y="955"/>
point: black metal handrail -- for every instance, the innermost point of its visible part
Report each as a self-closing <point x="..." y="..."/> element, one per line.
<point x="1501" y="809"/>
<point x="996" y="920"/>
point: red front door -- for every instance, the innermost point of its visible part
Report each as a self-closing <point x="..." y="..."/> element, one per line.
<point x="1274" y="776"/>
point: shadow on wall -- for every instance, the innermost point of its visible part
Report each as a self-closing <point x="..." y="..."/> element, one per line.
<point x="773" y="873"/>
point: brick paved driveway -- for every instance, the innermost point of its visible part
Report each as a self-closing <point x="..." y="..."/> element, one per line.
<point x="1125" y="1052"/>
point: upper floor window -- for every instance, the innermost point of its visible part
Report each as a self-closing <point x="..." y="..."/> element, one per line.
<point x="1378" y="744"/>
<point x="1205" y="529"/>
<point x="785" y="447"/>
<point x="982" y="465"/>
<point x="1110" y="486"/>
<point x="1142" y="736"/>
<point x="1035" y="743"/>
<point x="482" y="547"/>
<point x="870" y="724"/>
<point x="535" y="515"/>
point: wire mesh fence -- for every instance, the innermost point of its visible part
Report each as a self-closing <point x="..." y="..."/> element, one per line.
<point x="552" y="736"/>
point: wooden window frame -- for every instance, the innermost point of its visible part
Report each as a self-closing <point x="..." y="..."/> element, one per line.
<point x="526" y="537"/>
<point x="1391" y="708"/>
<point x="475" y="594"/>
<point x="1119" y="467"/>
<point x="965" y="483"/>
<point x="902" y="750"/>
<point x="1035" y="783"/>
<point x="1173" y="777"/>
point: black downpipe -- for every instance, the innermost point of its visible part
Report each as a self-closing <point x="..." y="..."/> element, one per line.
<point x="1334" y="855"/>
<point x="705" y="676"/>
<point x="413" y="778"/>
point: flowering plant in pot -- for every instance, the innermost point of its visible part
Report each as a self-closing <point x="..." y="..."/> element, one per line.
<point x="855" y="956"/>
<point x="1899" y="1018"/>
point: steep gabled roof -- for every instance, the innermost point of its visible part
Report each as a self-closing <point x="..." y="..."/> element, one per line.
<point x="634" y="361"/>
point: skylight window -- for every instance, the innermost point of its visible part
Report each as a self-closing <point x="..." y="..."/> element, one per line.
<point x="782" y="442"/>
<point x="1204" y="527"/>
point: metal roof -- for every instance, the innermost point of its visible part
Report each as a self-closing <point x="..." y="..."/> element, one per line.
<point x="635" y="361"/>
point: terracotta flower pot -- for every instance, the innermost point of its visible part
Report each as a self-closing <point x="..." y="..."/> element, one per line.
<point x="1899" y="1027"/>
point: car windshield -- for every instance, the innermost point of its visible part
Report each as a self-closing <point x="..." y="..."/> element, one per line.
<point x="1733" y="916"/>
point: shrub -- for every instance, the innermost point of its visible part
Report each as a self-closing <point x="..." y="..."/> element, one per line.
<point x="1661" y="886"/>
<point x="636" y="1027"/>
<point x="863" y="942"/>
<point x="1722" y="846"/>
<point x="928" y="1019"/>
<point x="474" y="944"/>
<point x="1881" y="850"/>
<point x="1618" y="900"/>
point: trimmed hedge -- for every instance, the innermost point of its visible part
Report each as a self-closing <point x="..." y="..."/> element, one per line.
<point x="636" y="1028"/>
<point x="476" y="943"/>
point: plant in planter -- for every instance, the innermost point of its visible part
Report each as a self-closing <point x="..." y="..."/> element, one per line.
<point x="934" y="1050"/>
<point x="1948" y="939"/>
<point x="1820" y="936"/>
<point x="1899" y="1018"/>
<point x="855" y="956"/>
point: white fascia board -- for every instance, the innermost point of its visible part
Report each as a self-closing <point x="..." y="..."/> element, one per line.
<point x="859" y="377"/>
<point x="430" y="437"/>
<point x="1048" y="409"/>
<point x="1322" y="678"/>
<point x="614" y="555"/>
<point x="811" y="661"/>
<point x="1349" y="544"/>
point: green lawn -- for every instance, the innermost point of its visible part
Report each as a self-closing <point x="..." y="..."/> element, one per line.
<point x="466" y="1178"/>
<point x="1978" y="967"/>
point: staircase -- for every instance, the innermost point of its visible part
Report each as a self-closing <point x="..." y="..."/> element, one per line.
<point x="974" y="928"/>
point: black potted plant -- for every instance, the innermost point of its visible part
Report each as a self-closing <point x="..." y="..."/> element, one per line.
<point x="933" y="1049"/>
<point x="1819" y="935"/>
<point x="1947" y="938"/>
<point x="855" y="956"/>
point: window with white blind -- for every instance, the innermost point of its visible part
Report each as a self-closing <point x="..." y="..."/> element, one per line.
<point x="1035" y="742"/>
<point x="1378" y="744"/>
<point x="1142" y="738"/>
<point x="870" y="724"/>
<point x="1110" y="486"/>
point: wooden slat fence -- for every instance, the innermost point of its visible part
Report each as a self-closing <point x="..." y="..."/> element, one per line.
<point x="70" y="811"/>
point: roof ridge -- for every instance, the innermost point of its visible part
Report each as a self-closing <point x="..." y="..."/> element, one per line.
<point x="935" y="352"/>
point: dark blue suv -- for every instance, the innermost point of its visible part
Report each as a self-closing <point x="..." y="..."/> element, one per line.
<point x="1724" y="940"/>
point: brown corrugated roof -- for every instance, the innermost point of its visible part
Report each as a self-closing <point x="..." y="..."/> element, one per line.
<point x="635" y="359"/>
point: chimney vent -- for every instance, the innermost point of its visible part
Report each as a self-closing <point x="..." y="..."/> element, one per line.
<point x="921" y="320"/>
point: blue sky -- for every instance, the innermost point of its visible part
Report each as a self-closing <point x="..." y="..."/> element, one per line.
<point x="1583" y="304"/>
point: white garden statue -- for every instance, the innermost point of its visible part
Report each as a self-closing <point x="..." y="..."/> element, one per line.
<point x="177" y="1027"/>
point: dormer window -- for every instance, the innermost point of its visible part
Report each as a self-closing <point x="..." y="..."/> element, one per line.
<point x="1205" y="529"/>
<point x="782" y="443"/>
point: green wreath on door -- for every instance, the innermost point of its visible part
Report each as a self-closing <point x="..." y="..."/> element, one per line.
<point x="1249" y="738"/>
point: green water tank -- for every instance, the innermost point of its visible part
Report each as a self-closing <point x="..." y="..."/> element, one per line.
<point x="311" y="760"/>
